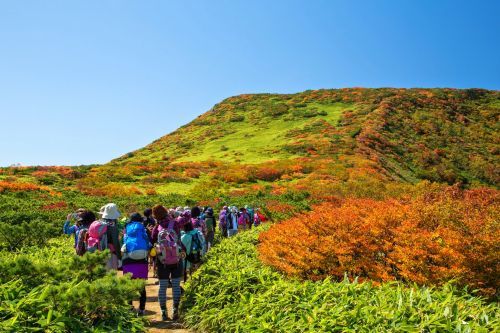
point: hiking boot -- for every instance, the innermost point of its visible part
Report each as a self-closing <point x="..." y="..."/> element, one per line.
<point x="141" y="313"/>
<point x="175" y="315"/>
<point x="164" y="316"/>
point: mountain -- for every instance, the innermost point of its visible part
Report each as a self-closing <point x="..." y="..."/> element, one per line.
<point x="323" y="136"/>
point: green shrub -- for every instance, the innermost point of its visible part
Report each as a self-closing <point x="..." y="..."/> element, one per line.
<point x="234" y="292"/>
<point x="53" y="290"/>
<point x="237" y="118"/>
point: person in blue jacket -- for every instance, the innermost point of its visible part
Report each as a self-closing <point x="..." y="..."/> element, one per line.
<point x="73" y="229"/>
<point x="135" y="250"/>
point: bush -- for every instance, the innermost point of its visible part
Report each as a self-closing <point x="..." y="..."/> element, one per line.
<point x="428" y="240"/>
<point x="53" y="290"/>
<point x="234" y="292"/>
<point x="237" y="118"/>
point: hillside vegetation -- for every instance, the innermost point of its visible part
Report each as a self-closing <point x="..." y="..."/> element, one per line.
<point x="305" y="139"/>
<point x="394" y="188"/>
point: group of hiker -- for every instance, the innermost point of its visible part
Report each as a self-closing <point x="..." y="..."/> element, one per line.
<point x="172" y="241"/>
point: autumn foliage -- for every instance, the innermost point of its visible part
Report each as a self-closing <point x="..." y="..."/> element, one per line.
<point x="430" y="239"/>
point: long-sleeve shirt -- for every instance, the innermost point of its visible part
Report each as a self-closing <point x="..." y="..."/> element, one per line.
<point x="71" y="230"/>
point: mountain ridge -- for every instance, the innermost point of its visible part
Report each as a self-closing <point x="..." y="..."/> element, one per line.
<point x="410" y="134"/>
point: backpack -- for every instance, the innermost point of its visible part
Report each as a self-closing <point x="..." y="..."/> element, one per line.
<point x="81" y="243"/>
<point x="210" y="223"/>
<point x="136" y="244"/>
<point x="222" y="220"/>
<point x="194" y="255"/>
<point x="97" y="236"/>
<point x="242" y="219"/>
<point x="256" y="219"/>
<point x="251" y="214"/>
<point x="167" y="248"/>
<point x="200" y="225"/>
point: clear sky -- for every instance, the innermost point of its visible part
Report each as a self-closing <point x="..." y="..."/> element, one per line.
<point x="85" y="81"/>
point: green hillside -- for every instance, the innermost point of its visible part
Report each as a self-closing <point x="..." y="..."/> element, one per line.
<point x="402" y="135"/>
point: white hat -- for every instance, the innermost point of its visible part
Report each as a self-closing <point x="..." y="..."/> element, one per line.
<point x="110" y="212"/>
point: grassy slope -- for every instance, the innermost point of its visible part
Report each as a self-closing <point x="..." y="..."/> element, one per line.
<point x="403" y="135"/>
<point x="254" y="139"/>
<point x="443" y="135"/>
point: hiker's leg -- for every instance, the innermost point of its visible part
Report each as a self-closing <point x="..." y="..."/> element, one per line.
<point x="176" y="290"/>
<point x="162" y="294"/>
<point x="112" y="262"/>
<point x="142" y="300"/>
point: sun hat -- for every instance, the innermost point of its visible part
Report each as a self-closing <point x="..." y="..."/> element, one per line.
<point x="109" y="211"/>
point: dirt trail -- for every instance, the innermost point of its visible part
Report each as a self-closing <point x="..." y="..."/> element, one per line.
<point x="153" y="312"/>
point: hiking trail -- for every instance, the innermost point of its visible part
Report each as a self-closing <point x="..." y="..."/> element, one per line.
<point x="153" y="312"/>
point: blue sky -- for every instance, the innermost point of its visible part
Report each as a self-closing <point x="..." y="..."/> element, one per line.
<point x="84" y="82"/>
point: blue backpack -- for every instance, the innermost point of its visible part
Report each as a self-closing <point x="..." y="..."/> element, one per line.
<point x="136" y="241"/>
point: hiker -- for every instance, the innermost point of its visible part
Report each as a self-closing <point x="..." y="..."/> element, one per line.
<point x="73" y="230"/>
<point x="232" y="221"/>
<point x="222" y="221"/>
<point x="250" y="216"/>
<point x="197" y="222"/>
<point x="109" y="225"/>
<point x="203" y="211"/>
<point x="210" y="226"/>
<point x="243" y="220"/>
<point x="86" y="219"/>
<point x="148" y="220"/>
<point x="258" y="217"/>
<point x="183" y="219"/>
<point x="192" y="241"/>
<point x="169" y="265"/>
<point x="135" y="251"/>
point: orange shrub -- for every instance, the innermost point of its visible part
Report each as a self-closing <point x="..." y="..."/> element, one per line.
<point x="55" y="206"/>
<point x="268" y="173"/>
<point x="433" y="238"/>
<point x="192" y="173"/>
<point x="151" y="191"/>
<point x="20" y="187"/>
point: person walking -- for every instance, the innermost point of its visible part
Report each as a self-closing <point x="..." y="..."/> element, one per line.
<point x="210" y="226"/>
<point x="232" y="221"/>
<point x="109" y="215"/>
<point x="135" y="251"/>
<point x="222" y="221"/>
<point x="193" y="243"/>
<point x="73" y="229"/>
<point x="169" y="265"/>
<point x="86" y="219"/>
